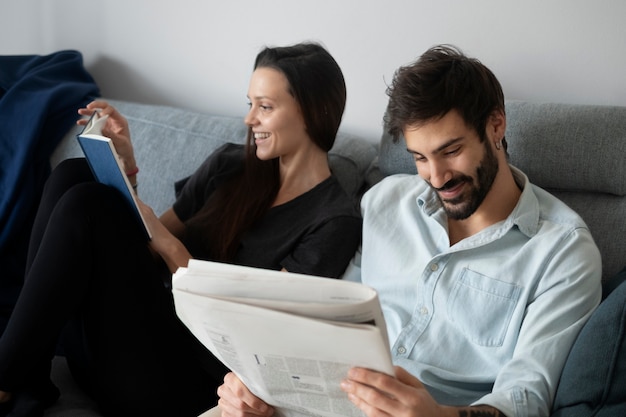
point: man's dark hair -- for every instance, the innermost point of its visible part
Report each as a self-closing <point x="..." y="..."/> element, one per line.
<point x="441" y="80"/>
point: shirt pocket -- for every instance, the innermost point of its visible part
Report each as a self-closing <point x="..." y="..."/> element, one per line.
<point x="481" y="307"/>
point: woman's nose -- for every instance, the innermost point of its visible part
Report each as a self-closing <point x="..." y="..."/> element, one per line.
<point x="249" y="118"/>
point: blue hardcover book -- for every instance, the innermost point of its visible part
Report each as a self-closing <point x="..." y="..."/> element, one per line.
<point x="106" y="165"/>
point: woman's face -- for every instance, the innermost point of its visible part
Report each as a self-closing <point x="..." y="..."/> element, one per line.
<point x="275" y="119"/>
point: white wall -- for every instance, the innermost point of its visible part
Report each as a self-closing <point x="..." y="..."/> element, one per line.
<point x="198" y="54"/>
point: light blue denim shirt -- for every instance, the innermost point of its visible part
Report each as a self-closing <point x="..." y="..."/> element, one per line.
<point x="491" y="319"/>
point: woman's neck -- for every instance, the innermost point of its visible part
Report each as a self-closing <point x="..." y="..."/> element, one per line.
<point x="301" y="174"/>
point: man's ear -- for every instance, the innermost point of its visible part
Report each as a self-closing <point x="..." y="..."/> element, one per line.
<point x="496" y="125"/>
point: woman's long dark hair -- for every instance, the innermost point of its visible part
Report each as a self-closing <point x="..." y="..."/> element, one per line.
<point x="317" y="84"/>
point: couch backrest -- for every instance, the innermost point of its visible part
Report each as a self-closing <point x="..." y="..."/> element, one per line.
<point x="577" y="152"/>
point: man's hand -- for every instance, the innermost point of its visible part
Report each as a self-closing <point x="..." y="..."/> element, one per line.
<point x="236" y="400"/>
<point x="378" y="394"/>
<point x="381" y="395"/>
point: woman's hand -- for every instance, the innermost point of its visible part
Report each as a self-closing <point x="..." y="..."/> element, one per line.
<point x="116" y="128"/>
<point x="163" y="242"/>
<point x="236" y="400"/>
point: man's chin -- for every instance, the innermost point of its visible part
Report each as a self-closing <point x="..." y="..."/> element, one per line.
<point x="459" y="211"/>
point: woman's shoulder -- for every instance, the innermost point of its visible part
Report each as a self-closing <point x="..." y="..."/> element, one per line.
<point x="228" y="151"/>
<point x="224" y="158"/>
<point x="332" y="197"/>
<point x="222" y="163"/>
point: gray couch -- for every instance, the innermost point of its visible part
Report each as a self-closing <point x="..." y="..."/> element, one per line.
<point x="575" y="151"/>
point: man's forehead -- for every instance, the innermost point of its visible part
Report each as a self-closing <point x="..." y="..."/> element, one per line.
<point x="436" y="134"/>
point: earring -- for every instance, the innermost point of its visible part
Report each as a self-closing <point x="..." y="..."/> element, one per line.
<point x="499" y="145"/>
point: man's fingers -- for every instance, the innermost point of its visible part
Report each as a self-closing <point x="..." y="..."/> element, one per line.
<point x="236" y="399"/>
<point x="405" y="377"/>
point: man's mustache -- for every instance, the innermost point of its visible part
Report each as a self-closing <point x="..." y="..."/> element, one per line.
<point x="453" y="183"/>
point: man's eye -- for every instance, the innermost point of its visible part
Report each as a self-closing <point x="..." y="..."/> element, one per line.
<point x="452" y="151"/>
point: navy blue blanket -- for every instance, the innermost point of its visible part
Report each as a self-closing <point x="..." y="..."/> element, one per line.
<point x="39" y="96"/>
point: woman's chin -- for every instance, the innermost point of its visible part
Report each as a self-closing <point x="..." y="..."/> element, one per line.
<point x="264" y="155"/>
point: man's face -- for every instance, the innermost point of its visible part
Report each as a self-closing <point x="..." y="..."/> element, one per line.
<point x="451" y="158"/>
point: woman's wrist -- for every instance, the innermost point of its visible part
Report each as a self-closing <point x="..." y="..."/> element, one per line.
<point x="132" y="177"/>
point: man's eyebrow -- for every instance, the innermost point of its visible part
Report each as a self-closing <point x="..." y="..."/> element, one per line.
<point x="440" y="148"/>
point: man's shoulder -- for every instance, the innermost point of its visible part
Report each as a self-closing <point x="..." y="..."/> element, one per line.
<point x="545" y="206"/>
<point x="554" y="210"/>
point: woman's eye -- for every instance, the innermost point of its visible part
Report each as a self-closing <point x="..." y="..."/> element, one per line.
<point x="265" y="108"/>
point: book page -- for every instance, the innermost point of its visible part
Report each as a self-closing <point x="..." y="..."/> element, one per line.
<point x="95" y="124"/>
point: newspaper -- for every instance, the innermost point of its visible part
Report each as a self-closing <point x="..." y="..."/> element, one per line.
<point x="291" y="338"/>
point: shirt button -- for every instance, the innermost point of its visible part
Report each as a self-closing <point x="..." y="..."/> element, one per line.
<point x="424" y="310"/>
<point x="401" y="350"/>
<point x="434" y="267"/>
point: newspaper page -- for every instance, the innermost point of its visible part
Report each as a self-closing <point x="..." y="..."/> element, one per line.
<point x="291" y="338"/>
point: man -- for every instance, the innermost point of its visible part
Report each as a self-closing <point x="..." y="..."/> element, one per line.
<point x="485" y="280"/>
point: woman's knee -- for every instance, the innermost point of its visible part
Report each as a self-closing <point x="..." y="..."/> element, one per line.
<point x="92" y="199"/>
<point x="68" y="173"/>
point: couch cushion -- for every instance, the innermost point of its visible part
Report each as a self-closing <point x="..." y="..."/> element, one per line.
<point x="349" y="160"/>
<point x="170" y="143"/>
<point x="393" y="157"/>
<point x="593" y="382"/>
<point x="579" y="141"/>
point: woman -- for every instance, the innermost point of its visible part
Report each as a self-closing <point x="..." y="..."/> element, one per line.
<point x="272" y="203"/>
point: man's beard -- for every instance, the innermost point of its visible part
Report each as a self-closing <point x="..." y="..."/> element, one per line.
<point x="464" y="205"/>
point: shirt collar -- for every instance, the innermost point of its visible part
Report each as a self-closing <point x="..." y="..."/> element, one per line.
<point x="525" y="215"/>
